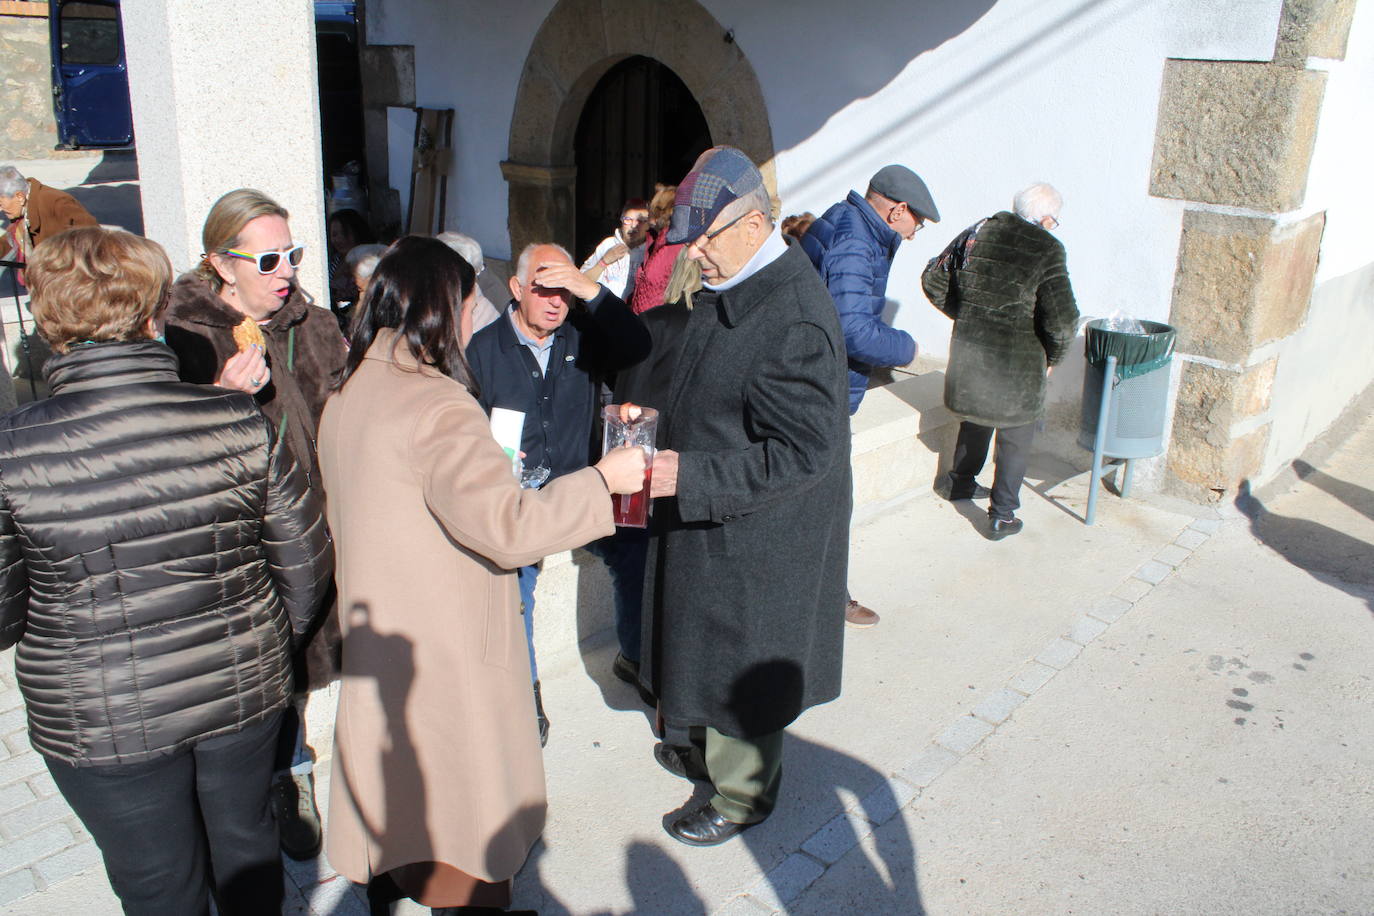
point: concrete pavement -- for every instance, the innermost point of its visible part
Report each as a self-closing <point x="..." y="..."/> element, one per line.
<point x="1159" y="714"/>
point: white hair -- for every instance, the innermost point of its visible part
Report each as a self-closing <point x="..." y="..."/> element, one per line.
<point x="466" y="246"/>
<point x="11" y="182"/>
<point x="522" y="265"/>
<point x="756" y="199"/>
<point x="362" y="259"/>
<point x="1037" y="202"/>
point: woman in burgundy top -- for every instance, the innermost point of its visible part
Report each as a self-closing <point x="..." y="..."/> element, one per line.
<point x="651" y="280"/>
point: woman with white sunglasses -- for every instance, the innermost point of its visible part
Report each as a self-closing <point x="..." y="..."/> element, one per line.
<point x="240" y="320"/>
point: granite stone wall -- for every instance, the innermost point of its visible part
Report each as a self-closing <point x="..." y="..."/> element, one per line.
<point x="27" y="127"/>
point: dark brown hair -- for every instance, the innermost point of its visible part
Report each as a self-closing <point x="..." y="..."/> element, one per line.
<point x="417" y="289"/>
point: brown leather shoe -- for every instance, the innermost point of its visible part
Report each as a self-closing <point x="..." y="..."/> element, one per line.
<point x="858" y="616"/>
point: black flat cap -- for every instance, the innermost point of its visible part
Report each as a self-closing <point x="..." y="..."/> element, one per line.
<point x="899" y="183"/>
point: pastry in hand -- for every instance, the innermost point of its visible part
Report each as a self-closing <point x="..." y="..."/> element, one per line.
<point x="248" y="334"/>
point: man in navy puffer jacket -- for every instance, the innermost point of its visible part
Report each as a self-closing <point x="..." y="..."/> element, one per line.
<point x="852" y="245"/>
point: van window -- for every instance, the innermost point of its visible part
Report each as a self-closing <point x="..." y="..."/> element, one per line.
<point x="90" y="33"/>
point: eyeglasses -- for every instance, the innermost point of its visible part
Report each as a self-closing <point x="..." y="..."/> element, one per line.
<point x="269" y="261"/>
<point x="1054" y="223"/>
<point x="634" y="220"/>
<point x="707" y="236"/>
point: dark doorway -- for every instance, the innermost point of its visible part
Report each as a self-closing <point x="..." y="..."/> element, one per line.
<point x="640" y="125"/>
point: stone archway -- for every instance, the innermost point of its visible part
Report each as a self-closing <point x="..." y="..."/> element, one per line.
<point x="579" y="41"/>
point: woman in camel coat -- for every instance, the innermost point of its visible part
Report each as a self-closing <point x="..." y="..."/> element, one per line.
<point x="438" y="780"/>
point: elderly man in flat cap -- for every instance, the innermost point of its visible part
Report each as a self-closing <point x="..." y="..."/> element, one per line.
<point x="852" y="245"/>
<point x="748" y="561"/>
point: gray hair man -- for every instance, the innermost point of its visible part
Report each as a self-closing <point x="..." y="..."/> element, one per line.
<point x="36" y="211"/>
<point x="546" y="358"/>
<point x="1005" y="282"/>
<point x="747" y="565"/>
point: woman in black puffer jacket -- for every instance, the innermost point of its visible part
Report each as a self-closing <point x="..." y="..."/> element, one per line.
<point x="159" y="552"/>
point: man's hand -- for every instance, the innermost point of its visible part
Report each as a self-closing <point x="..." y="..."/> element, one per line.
<point x="246" y="371"/>
<point x="664" y="482"/>
<point x="563" y="275"/>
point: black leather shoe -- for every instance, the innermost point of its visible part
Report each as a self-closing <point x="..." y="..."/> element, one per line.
<point x="628" y="671"/>
<point x="704" y="827"/>
<point x="678" y="761"/>
<point x="954" y="494"/>
<point x="999" y="528"/>
<point x="539" y="716"/>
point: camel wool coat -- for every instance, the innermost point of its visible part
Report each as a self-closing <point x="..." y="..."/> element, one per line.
<point x="436" y="751"/>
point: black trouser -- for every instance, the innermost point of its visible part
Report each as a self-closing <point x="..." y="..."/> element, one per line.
<point x="1013" y="451"/>
<point x="171" y="828"/>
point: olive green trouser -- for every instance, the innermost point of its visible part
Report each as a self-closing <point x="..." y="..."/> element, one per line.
<point x="745" y="772"/>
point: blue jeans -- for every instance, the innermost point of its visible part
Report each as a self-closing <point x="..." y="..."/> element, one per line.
<point x="624" y="554"/>
<point x="528" y="577"/>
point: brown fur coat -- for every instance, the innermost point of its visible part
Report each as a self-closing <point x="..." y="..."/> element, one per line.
<point x="200" y="330"/>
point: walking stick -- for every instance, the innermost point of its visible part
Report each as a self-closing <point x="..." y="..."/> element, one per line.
<point x="17" y="266"/>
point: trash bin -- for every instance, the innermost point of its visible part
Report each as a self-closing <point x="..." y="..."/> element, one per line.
<point x="1140" y="394"/>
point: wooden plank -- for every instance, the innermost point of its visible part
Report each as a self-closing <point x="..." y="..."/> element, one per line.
<point x="30" y="8"/>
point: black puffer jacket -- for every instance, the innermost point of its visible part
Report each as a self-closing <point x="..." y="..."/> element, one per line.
<point x="157" y="551"/>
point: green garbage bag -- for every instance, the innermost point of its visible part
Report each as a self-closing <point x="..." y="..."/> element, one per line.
<point x="1136" y="353"/>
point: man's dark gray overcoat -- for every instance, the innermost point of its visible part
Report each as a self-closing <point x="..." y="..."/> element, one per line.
<point x="746" y="576"/>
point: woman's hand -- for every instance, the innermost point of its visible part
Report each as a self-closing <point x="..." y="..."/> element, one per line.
<point x="617" y="252"/>
<point x="246" y="371"/>
<point x="623" y="469"/>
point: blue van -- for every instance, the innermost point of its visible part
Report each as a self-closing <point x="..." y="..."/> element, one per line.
<point x="90" y="82"/>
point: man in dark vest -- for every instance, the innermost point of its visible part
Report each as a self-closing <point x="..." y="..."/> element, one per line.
<point x="747" y="566"/>
<point x="546" y="357"/>
<point x="1005" y="283"/>
<point x="852" y="245"/>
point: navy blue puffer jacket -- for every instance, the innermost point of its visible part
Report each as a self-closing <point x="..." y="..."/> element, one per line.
<point x="853" y="250"/>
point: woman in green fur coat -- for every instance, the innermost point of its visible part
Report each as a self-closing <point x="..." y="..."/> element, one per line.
<point x="1005" y="283"/>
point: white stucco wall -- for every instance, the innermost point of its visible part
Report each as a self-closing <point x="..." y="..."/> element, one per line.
<point x="1062" y="91"/>
<point x="468" y="57"/>
<point x="980" y="98"/>
<point x="1328" y="363"/>
<point x="1057" y="90"/>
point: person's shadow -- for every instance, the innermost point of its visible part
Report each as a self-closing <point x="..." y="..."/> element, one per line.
<point x="1328" y="555"/>
<point x="817" y="779"/>
<point x="389" y="660"/>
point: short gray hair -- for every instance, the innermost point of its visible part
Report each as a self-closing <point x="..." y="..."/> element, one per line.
<point x="756" y="199"/>
<point x="466" y="246"/>
<point x="11" y="182"/>
<point x="362" y="259"/>
<point x="1037" y="202"/>
<point x="522" y="265"/>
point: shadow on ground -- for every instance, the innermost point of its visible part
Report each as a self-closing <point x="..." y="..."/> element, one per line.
<point x="820" y="782"/>
<point x="1328" y="555"/>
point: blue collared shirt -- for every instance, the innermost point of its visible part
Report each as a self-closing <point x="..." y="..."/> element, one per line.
<point x="541" y="350"/>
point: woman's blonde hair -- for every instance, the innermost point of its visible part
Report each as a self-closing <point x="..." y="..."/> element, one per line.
<point x="97" y="284"/>
<point x="661" y="205"/>
<point x="226" y="220"/>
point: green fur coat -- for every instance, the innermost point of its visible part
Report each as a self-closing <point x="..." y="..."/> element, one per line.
<point x="1005" y="283"/>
